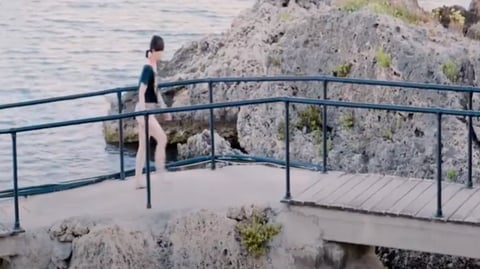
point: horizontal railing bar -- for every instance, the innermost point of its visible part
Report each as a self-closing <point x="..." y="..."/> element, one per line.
<point x="372" y="82"/>
<point x="299" y="100"/>
<point x="66" y="97"/>
<point x="402" y="84"/>
<point x="138" y="114"/>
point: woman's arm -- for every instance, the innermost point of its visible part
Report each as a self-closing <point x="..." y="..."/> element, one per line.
<point x="142" y="88"/>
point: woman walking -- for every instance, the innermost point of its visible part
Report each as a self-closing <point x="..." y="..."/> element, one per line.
<point x="148" y="99"/>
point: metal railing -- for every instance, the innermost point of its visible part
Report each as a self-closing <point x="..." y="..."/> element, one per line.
<point x="210" y="81"/>
<point x="439" y="112"/>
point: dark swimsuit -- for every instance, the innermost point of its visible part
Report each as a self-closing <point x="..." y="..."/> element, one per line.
<point x="148" y="78"/>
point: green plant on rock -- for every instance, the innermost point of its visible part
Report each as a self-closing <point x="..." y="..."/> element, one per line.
<point x="382" y="7"/>
<point x="347" y="120"/>
<point x="451" y="70"/>
<point x="388" y="134"/>
<point x="283" y="16"/>
<point x="256" y="233"/>
<point x="329" y="145"/>
<point x="353" y="5"/>
<point x="451" y="174"/>
<point x="342" y="70"/>
<point x="309" y="117"/>
<point x="384" y="59"/>
<point x="446" y="15"/>
<point x="402" y="13"/>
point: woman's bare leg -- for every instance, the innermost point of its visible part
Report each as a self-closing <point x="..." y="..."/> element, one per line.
<point x="140" y="158"/>
<point x="161" y="138"/>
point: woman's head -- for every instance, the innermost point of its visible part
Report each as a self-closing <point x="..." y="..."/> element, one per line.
<point x="156" y="48"/>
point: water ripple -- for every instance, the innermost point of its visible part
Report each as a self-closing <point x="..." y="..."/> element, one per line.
<point x="59" y="47"/>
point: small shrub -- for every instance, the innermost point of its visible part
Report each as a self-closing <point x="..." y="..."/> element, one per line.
<point x="284" y="16"/>
<point x="451" y="174"/>
<point x="353" y="5"/>
<point x="347" y="120"/>
<point x="310" y="117"/>
<point x="342" y="70"/>
<point x="397" y="12"/>
<point x="256" y="233"/>
<point x="384" y="59"/>
<point x="388" y="134"/>
<point x="382" y="7"/>
<point x="451" y="70"/>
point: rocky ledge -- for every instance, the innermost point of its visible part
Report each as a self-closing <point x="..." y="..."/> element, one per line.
<point x="247" y="237"/>
<point x="349" y="38"/>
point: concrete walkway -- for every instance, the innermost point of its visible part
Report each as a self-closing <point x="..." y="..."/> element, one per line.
<point x="190" y="189"/>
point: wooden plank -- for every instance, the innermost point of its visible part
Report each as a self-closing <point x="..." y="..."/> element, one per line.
<point x="308" y="195"/>
<point x="409" y="197"/>
<point x="464" y="210"/>
<point x="382" y="193"/>
<point x="421" y="201"/>
<point x="367" y="183"/>
<point x="474" y="216"/>
<point x="340" y="192"/>
<point x="390" y="200"/>
<point x="356" y="203"/>
<point x="332" y="185"/>
<point x="448" y="192"/>
<point x="458" y="200"/>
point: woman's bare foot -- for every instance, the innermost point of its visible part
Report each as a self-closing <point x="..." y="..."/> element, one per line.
<point x="139" y="185"/>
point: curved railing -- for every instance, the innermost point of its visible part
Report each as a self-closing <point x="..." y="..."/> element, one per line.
<point x="211" y="106"/>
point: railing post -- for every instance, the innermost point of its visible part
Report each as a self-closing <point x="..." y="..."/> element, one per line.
<point x="16" y="226"/>
<point x="324" y="128"/>
<point x="212" y="126"/>
<point x="147" y="161"/>
<point x="470" y="135"/>
<point x="120" y="136"/>
<point x="287" y="150"/>
<point x="439" y="213"/>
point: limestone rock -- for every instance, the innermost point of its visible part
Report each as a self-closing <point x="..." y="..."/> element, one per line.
<point x="61" y="253"/>
<point x="69" y="229"/>
<point x="211" y="243"/>
<point x="114" y="247"/>
<point x="474" y="31"/>
<point x="289" y="38"/>
<point x="474" y="7"/>
<point x="200" y="145"/>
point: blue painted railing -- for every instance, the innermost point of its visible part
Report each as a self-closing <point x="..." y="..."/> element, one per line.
<point x="439" y="112"/>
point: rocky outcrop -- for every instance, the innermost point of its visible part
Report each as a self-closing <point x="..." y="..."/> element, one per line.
<point x="200" y="145"/>
<point x="399" y="259"/>
<point x="178" y="130"/>
<point x="367" y="40"/>
<point x="474" y="31"/>
<point x="199" y="239"/>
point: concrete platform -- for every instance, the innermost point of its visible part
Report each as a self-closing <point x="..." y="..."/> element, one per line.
<point x="190" y="189"/>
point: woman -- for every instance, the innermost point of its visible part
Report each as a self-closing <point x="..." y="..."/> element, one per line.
<point x="148" y="99"/>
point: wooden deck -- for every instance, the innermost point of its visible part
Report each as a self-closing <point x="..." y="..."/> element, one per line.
<point x="389" y="195"/>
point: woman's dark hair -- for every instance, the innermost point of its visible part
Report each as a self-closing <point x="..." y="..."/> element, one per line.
<point x="156" y="44"/>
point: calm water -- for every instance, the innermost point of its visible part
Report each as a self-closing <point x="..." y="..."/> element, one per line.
<point x="58" y="47"/>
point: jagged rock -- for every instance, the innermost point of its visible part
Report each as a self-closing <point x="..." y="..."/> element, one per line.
<point x="178" y="130"/>
<point x="474" y="31"/>
<point x="399" y="259"/>
<point x="61" y="253"/>
<point x="200" y="145"/>
<point x="456" y="17"/>
<point x="474" y="7"/>
<point x="275" y="37"/>
<point x="5" y="263"/>
<point x="211" y="242"/>
<point x="69" y="229"/>
<point x="114" y="247"/>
